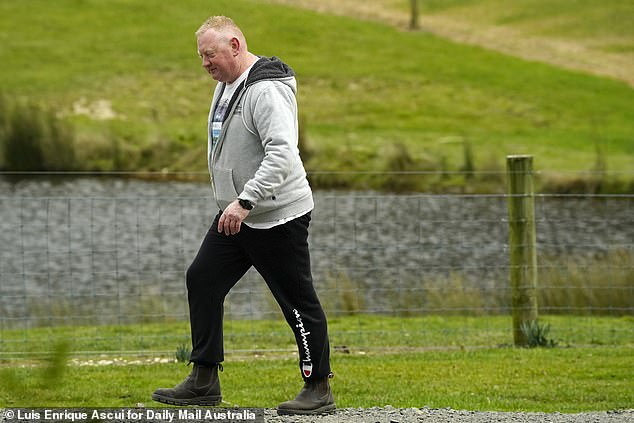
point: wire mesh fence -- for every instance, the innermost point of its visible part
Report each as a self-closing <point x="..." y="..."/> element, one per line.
<point x="101" y="263"/>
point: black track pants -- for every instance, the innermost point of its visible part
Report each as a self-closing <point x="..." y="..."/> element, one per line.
<point x="281" y="256"/>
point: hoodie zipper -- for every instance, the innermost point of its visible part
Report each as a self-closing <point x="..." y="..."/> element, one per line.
<point x="221" y="136"/>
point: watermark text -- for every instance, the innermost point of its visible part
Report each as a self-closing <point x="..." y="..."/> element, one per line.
<point x="136" y="415"/>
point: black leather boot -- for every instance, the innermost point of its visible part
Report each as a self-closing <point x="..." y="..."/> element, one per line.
<point x="201" y="387"/>
<point x="314" y="398"/>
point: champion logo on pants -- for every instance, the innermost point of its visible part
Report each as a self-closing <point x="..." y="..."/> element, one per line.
<point x="307" y="369"/>
<point x="307" y="364"/>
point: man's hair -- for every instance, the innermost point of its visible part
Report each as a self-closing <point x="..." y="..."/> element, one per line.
<point x="220" y="24"/>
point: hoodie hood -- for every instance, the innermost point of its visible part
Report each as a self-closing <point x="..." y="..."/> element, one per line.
<point x="270" y="69"/>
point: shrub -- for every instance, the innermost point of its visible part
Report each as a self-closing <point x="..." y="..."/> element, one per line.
<point x="33" y="138"/>
<point x="567" y="284"/>
<point x="398" y="161"/>
<point x="183" y="354"/>
<point x="343" y="294"/>
<point x="536" y="334"/>
<point x="597" y="285"/>
<point x="4" y="123"/>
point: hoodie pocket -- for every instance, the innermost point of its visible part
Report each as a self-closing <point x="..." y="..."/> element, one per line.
<point x="223" y="183"/>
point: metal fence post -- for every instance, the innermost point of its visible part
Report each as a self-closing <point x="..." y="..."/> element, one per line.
<point x="523" y="260"/>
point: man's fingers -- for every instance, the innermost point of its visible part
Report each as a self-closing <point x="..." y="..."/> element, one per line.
<point x="221" y="223"/>
<point x="231" y="219"/>
<point x="228" y="224"/>
<point x="235" y="227"/>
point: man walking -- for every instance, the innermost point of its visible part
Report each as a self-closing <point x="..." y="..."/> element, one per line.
<point x="265" y="202"/>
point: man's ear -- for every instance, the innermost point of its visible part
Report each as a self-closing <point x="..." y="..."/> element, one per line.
<point x="235" y="46"/>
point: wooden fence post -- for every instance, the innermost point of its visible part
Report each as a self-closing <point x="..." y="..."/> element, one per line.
<point x="413" y="22"/>
<point x="523" y="260"/>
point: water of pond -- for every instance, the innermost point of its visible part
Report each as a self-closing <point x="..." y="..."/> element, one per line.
<point x="102" y="250"/>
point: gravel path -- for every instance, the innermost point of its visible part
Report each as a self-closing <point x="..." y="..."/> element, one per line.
<point x="390" y="414"/>
<point x="387" y="414"/>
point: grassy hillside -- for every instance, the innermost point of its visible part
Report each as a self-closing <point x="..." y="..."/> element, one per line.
<point x="606" y="23"/>
<point x="591" y="36"/>
<point x="126" y="74"/>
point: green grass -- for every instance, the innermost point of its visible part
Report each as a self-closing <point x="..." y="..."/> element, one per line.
<point x="359" y="98"/>
<point x="548" y="380"/>
<point x="354" y="333"/>
<point x="378" y="360"/>
<point x="606" y="22"/>
<point x="597" y="26"/>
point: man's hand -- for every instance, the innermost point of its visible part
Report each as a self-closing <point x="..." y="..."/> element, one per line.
<point x="232" y="218"/>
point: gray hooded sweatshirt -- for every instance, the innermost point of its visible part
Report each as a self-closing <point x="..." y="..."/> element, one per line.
<point x="256" y="157"/>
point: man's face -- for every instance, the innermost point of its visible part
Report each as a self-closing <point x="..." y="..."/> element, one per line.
<point x="218" y="54"/>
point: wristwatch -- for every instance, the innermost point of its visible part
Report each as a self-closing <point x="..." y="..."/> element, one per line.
<point x="245" y="204"/>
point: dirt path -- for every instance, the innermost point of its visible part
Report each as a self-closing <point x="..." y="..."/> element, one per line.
<point x="561" y="53"/>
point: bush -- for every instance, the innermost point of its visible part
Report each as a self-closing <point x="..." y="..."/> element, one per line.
<point x="183" y="354"/>
<point x="595" y="285"/>
<point x="33" y="138"/>
<point x="537" y="334"/>
<point x="567" y="284"/>
<point x="4" y="123"/>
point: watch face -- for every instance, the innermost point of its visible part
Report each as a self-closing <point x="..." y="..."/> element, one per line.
<point x="246" y="204"/>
